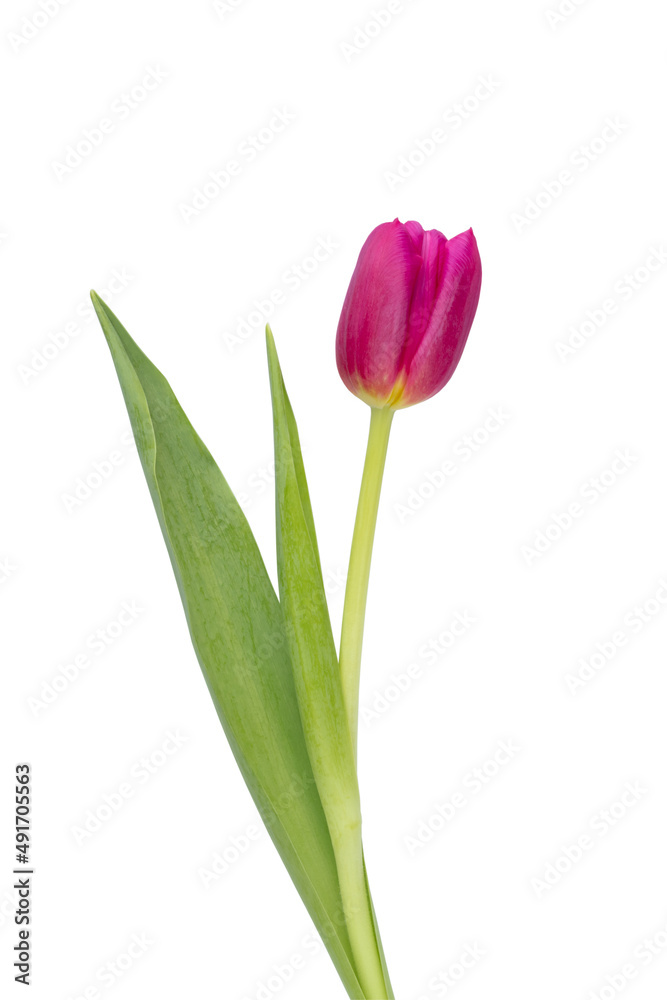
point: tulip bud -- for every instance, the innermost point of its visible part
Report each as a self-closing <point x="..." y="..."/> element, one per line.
<point x="407" y="313"/>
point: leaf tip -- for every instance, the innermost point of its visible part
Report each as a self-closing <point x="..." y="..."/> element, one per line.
<point x="270" y="342"/>
<point x="99" y="305"/>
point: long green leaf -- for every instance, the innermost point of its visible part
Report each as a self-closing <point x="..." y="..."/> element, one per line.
<point x="318" y="683"/>
<point x="238" y="633"/>
<point x="304" y="605"/>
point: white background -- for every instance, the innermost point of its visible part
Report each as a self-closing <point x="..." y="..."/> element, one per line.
<point x="466" y="545"/>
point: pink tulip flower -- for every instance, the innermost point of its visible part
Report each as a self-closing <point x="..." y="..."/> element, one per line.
<point x="407" y="313"/>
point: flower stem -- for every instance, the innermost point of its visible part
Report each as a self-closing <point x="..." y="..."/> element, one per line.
<point x="356" y="590"/>
<point x="358" y="914"/>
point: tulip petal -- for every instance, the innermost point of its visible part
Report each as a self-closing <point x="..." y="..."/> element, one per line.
<point x="427" y="288"/>
<point x="375" y="315"/>
<point x="416" y="233"/>
<point x="441" y="344"/>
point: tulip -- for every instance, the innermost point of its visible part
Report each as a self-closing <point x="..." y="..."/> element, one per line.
<point x="404" y="323"/>
<point x="407" y="313"/>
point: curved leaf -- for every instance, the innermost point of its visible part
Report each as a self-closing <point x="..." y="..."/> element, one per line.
<point x="318" y="684"/>
<point x="238" y="633"/>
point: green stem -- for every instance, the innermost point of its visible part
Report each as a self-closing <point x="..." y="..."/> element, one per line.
<point x="358" y="914"/>
<point x="356" y="590"/>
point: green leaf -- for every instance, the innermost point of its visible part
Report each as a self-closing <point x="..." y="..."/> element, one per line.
<point x="303" y="600"/>
<point x="318" y="683"/>
<point x="238" y="632"/>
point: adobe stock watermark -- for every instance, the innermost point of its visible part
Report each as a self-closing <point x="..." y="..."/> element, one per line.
<point x="623" y="290"/>
<point x="429" y="653"/>
<point x="33" y="24"/>
<point x="121" y="108"/>
<point x="139" y="775"/>
<point x="109" y="973"/>
<point x="562" y="12"/>
<point x="88" y="483"/>
<point x="247" y="151"/>
<point x="473" y="782"/>
<point x="598" y="828"/>
<point x="334" y="581"/>
<point x="451" y="121"/>
<point x="8" y="569"/>
<point x="95" y="645"/>
<point x="259" y="483"/>
<point x="254" y="319"/>
<point x="459" y="456"/>
<point x="235" y="848"/>
<point x="588" y="495"/>
<point x="633" y="622"/>
<point x="224" y="7"/>
<point x="578" y="163"/>
<point x="445" y="981"/>
<point x="644" y="954"/>
<point x="7" y="907"/>
<point x="284" y="972"/>
<point x="59" y="340"/>
<point x="366" y="32"/>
